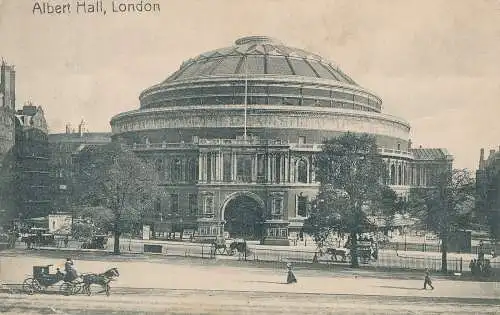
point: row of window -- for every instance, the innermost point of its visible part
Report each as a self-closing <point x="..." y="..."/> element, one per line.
<point x="411" y="175"/>
<point x="180" y="170"/>
<point x="174" y="208"/>
<point x="302" y="205"/>
<point x="177" y="170"/>
<point x="238" y="91"/>
<point x="259" y="100"/>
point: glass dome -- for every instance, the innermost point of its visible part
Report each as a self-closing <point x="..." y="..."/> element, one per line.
<point x="257" y="56"/>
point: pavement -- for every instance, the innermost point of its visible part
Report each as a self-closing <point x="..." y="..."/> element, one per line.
<point x="193" y="275"/>
<point x="183" y="286"/>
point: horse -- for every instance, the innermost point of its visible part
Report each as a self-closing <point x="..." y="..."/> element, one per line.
<point x="219" y="247"/>
<point x="337" y="252"/>
<point x="102" y="279"/>
<point x="238" y="246"/>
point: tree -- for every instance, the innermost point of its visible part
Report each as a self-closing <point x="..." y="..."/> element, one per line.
<point x="441" y="206"/>
<point x="352" y="175"/>
<point x="111" y="177"/>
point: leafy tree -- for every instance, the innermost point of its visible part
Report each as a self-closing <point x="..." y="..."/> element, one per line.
<point x="116" y="179"/>
<point x="441" y="206"/>
<point x="351" y="173"/>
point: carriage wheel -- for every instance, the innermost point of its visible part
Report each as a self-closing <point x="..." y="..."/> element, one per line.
<point x="66" y="288"/>
<point x="231" y="252"/>
<point x="86" y="289"/>
<point x="29" y="286"/>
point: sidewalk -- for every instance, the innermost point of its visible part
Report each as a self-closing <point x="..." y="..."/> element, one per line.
<point x="185" y="276"/>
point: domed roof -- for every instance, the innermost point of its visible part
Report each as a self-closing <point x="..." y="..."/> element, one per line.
<point x="260" y="56"/>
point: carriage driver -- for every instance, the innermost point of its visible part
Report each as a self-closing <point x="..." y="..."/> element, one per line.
<point x="70" y="270"/>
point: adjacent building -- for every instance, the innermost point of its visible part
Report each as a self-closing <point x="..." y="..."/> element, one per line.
<point x="488" y="184"/>
<point x="7" y="108"/>
<point x="33" y="190"/>
<point x="63" y="146"/>
<point x="233" y="133"/>
<point x="7" y="136"/>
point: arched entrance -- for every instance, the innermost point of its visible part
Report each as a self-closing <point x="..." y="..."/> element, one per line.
<point x="243" y="216"/>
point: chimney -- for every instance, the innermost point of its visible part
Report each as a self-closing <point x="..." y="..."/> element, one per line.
<point x="81" y="128"/>
<point x="492" y="153"/>
<point x="481" y="159"/>
<point x="68" y="128"/>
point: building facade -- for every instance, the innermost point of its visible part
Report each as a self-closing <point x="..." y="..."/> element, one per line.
<point x="233" y="134"/>
<point x="32" y="162"/>
<point x="62" y="148"/>
<point x="7" y="137"/>
<point x="488" y="185"/>
<point x="7" y="108"/>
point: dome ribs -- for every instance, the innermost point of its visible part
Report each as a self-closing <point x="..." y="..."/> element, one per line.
<point x="240" y="63"/>
<point x="290" y="65"/>
<point x="264" y="56"/>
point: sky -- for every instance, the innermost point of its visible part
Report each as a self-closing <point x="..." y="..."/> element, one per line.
<point x="434" y="63"/>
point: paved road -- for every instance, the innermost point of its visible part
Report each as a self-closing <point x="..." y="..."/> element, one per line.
<point x="224" y="302"/>
<point x="179" y="286"/>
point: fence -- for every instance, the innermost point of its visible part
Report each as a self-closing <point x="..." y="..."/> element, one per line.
<point x="423" y="247"/>
<point x="386" y="259"/>
<point x="194" y="250"/>
<point x="383" y="262"/>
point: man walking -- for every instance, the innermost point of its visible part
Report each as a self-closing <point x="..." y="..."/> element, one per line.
<point x="428" y="280"/>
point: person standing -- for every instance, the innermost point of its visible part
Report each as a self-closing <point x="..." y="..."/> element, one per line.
<point x="428" y="280"/>
<point x="290" y="276"/>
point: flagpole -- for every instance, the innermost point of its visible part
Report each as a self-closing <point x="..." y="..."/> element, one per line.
<point x="246" y="96"/>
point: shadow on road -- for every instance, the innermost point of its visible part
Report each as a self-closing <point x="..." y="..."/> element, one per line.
<point x="403" y="288"/>
<point x="273" y="282"/>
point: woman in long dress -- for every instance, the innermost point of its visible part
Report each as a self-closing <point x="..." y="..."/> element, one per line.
<point x="290" y="277"/>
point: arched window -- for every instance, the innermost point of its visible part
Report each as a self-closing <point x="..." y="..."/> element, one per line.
<point x="160" y="169"/>
<point x="191" y="170"/>
<point x="393" y="175"/>
<point x="157" y="206"/>
<point x="176" y="170"/>
<point x="400" y="175"/>
<point x="302" y="171"/>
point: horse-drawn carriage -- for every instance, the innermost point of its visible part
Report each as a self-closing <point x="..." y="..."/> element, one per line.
<point x="38" y="237"/>
<point x="41" y="279"/>
<point x="236" y="246"/>
<point x="96" y="242"/>
<point x="366" y="251"/>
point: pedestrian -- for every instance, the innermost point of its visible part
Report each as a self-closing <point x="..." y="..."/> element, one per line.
<point x="290" y="276"/>
<point x="428" y="280"/>
<point x="66" y="240"/>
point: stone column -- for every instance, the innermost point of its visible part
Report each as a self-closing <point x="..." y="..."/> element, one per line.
<point x="269" y="168"/>
<point x="281" y="161"/>
<point x="255" y="166"/>
<point x="219" y="164"/>
<point x="308" y="170"/>
<point x="215" y="169"/>
<point x="287" y="169"/>
<point x="313" y="172"/>
<point x="234" y="167"/>
<point x="201" y="169"/>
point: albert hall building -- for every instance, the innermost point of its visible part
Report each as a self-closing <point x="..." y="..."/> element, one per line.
<point x="233" y="132"/>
